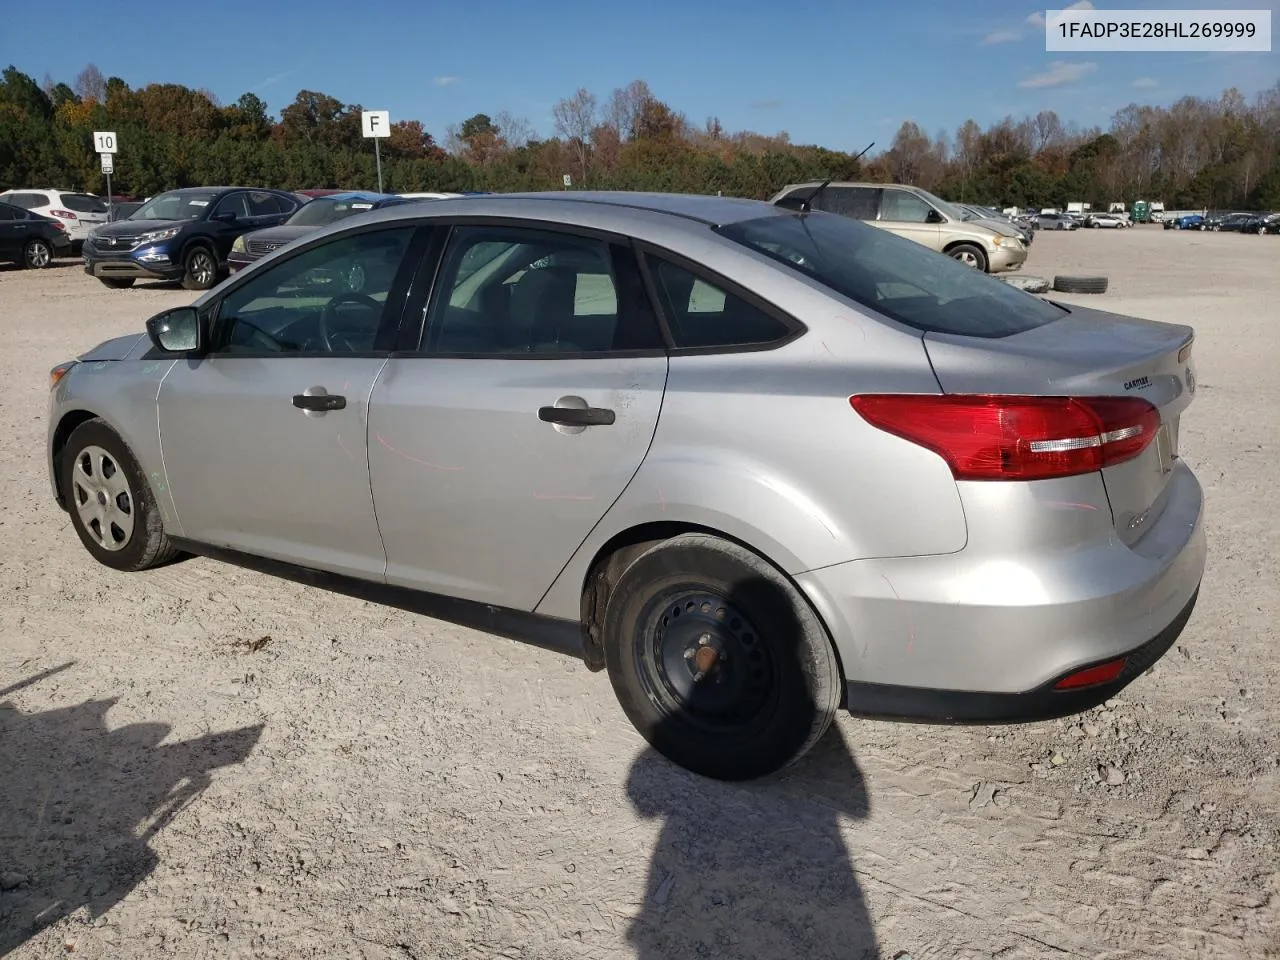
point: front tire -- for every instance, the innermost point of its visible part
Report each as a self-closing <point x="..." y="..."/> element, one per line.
<point x="37" y="254"/>
<point x="201" y="271"/>
<point x="112" y="507"/>
<point x="970" y="255"/>
<point x="717" y="660"/>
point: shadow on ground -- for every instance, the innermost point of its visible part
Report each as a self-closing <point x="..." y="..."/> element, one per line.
<point x="79" y="804"/>
<point x="757" y="868"/>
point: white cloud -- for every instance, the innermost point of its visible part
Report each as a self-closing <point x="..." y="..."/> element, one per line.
<point x="1059" y="74"/>
<point x="446" y="81"/>
<point x="1146" y="83"/>
<point x="1036" y="20"/>
<point x="1001" y="36"/>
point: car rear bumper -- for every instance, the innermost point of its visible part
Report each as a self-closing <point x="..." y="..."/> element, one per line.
<point x="960" y="634"/>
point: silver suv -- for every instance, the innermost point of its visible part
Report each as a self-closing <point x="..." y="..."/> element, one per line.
<point x="920" y="216"/>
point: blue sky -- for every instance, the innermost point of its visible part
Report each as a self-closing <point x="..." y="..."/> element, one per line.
<point x="839" y="74"/>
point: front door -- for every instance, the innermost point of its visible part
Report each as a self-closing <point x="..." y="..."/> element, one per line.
<point x="522" y="415"/>
<point x="907" y="215"/>
<point x="264" y="439"/>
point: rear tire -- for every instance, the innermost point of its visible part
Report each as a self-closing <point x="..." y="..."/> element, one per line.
<point x="718" y="660"/>
<point x="112" y="507"/>
<point x="37" y="254"/>
<point x="117" y="283"/>
<point x="970" y="255"/>
<point x="201" y="271"/>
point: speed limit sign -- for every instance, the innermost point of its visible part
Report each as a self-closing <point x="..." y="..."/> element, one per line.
<point x="104" y="141"/>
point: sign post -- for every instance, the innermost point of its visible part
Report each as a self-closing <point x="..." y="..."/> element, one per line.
<point x="376" y="124"/>
<point x="104" y="141"/>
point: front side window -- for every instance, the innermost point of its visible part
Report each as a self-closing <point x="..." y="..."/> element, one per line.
<point x="329" y="299"/>
<point x="896" y="276"/>
<point x="236" y="203"/>
<point x="512" y="291"/>
<point x="900" y="206"/>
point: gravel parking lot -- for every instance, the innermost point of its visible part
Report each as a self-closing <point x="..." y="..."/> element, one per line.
<point x="202" y="761"/>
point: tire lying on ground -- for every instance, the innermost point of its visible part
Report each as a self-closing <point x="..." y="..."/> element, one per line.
<point x="1029" y="284"/>
<point x="1075" y="284"/>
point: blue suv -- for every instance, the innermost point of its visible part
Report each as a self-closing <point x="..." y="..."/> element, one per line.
<point x="183" y="235"/>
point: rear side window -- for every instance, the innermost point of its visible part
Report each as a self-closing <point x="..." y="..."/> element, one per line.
<point x="11" y="213"/>
<point x="83" y="203"/>
<point x="702" y="314"/>
<point x="513" y="291"/>
<point x="263" y="204"/>
<point x="861" y="203"/>
<point x="900" y="278"/>
<point x="28" y="201"/>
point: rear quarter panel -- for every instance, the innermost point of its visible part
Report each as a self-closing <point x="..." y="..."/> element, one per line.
<point x="122" y="393"/>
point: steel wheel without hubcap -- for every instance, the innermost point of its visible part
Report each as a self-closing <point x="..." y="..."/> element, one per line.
<point x="102" y="498"/>
<point x="701" y="658"/>
<point x="38" y="254"/>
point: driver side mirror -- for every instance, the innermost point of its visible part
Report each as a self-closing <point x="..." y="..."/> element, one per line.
<point x="934" y="217"/>
<point x="179" y="330"/>
<point x="225" y="216"/>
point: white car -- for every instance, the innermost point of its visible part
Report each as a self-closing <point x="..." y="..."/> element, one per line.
<point x="1105" y="221"/>
<point x="80" y="213"/>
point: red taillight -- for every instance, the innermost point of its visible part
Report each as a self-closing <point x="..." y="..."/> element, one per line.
<point x="993" y="437"/>
<point x="64" y="214"/>
<point x="1092" y="676"/>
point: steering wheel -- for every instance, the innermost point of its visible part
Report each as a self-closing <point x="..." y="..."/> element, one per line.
<point x="329" y="317"/>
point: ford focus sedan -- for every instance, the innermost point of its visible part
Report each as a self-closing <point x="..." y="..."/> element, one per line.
<point x="759" y="463"/>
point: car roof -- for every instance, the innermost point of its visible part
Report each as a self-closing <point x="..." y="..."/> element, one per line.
<point x="615" y="206"/>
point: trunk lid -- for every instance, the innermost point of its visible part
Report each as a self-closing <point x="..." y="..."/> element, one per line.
<point x="1089" y="353"/>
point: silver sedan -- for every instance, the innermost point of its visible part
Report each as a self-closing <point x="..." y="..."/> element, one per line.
<point x="757" y="462"/>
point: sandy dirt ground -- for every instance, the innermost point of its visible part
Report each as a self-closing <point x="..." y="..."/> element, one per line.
<point x="206" y="762"/>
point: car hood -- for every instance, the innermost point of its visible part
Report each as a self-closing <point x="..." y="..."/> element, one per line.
<point x="283" y="233"/>
<point x="131" y="228"/>
<point x="999" y="226"/>
<point x="117" y="348"/>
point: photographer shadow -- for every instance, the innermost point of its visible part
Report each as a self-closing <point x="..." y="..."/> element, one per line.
<point x="80" y="803"/>
<point x="754" y="868"/>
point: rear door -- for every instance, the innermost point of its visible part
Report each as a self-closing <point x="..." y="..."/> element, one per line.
<point x="503" y="434"/>
<point x="907" y="215"/>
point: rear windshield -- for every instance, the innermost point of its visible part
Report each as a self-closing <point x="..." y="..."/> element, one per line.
<point x="900" y="278"/>
<point x="83" y="203"/>
<point x="319" y="212"/>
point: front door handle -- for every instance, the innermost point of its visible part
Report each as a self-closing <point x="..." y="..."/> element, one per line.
<point x="577" y="416"/>
<point x="319" y="402"/>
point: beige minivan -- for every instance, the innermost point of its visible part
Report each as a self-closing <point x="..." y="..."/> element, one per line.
<point x="918" y="215"/>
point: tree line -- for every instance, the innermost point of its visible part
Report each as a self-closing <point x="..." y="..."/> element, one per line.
<point x="1197" y="153"/>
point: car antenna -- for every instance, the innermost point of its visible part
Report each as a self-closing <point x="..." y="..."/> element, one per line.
<point x="804" y="202"/>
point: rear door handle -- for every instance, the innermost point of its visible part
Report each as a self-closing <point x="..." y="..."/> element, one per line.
<point x="577" y="416"/>
<point x="319" y="402"/>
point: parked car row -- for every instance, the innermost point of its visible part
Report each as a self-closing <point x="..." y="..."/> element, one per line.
<point x="1237" y="222"/>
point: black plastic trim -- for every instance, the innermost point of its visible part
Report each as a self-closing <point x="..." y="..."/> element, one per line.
<point x="879" y="701"/>
<point x="549" y="633"/>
